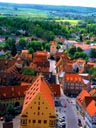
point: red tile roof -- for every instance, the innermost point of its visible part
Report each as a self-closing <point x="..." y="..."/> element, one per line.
<point x="91" y="64"/>
<point x="73" y="77"/>
<point x="41" y="54"/>
<point x="12" y="91"/>
<point x="80" y="98"/>
<point x="91" y="108"/>
<point x="92" y="92"/>
<point x="39" y="86"/>
<point x="84" y="46"/>
<point x="56" y="90"/>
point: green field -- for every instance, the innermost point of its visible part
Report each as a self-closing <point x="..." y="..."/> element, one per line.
<point x="74" y="22"/>
<point x="23" y="12"/>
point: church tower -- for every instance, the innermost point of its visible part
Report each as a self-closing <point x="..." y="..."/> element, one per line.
<point x="53" y="48"/>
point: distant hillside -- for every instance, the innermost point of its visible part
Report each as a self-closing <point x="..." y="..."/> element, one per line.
<point x="74" y="9"/>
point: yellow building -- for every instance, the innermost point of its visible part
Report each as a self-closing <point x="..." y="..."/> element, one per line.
<point x="12" y="95"/>
<point x="38" y="109"/>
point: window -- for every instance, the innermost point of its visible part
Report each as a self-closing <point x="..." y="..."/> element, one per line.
<point x="39" y="121"/>
<point x="29" y="121"/>
<point x="52" y="122"/>
<point x="38" y="103"/>
<point x="45" y="121"/>
<point x="38" y="108"/>
<point x="38" y="113"/>
<point x="24" y="122"/>
<point x="34" y="121"/>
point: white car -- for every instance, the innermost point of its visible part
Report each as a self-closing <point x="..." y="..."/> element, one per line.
<point x="61" y="122"/>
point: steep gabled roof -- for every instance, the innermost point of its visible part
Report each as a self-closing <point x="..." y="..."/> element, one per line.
<point x="80" y="98"/>
<point x="39" y="86"/>
<point x="91" y="108"/>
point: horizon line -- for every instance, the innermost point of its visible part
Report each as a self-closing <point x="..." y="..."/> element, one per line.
<point x="47" y="4"/>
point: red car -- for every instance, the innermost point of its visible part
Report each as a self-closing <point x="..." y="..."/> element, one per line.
<point x="65" y="105"/>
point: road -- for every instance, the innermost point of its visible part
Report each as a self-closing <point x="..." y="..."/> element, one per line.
<point x="71" y="120"/>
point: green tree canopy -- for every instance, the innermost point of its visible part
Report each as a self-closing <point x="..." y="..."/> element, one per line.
<point x="35" y="45"/>
<point x="93" y="53"/>
<point x="92" y="72"/>
<point x="9" y="43"/>
<point x="72" y="50"/>
<point x="30" y="50"/>
<point x="22" y="43"/>
<point x="29" y="72"/>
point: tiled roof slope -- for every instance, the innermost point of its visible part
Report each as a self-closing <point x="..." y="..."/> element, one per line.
<point x="81" y="97"/>
<point x="91" y="108"/>
<point x="12" y="91"/>
<point x="73" y="77"/>
<point x="39" y="86"/>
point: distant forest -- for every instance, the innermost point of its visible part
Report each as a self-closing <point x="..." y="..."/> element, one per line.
<point x="75" y="9"/>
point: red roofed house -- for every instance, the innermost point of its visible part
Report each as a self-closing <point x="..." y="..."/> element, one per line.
<point x="12" y="95"/>
<point x="85" y="47"/>
<point x="38" y="109"/>
<point x="74" y="83"/>
<point x="80" y="101"/>
<point x="90" y="115"/>
<point x="86" y="104"/>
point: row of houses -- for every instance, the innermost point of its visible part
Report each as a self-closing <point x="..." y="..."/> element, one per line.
<point x="86" y="104"/>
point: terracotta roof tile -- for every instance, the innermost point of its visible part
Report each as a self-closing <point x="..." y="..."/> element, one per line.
<point x="38" y="86"/>
<point x="12" y="91"/>
<point x="91" y="108"/>
<point x="80" y="98"/>
<point x="73" y="77"/>
<point x="92" y="92"/>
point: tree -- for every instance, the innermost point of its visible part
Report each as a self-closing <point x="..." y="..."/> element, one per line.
<point x="29" y="72"/>
<point x="79" y="49"/>
<point x="72" y="50"/>
<point x="13" y="50"/>
<point x="47" y="46"/>
<point x="10" y="109"/>
<point x="92" y="72"/>
<point x="35" y="45"/>
<point x="80" y="55"/>
<point x="30" y="50"/>
<point x="93" y="53"/>
<point x="77" y="55"/>
<point x="9" y="43"/>
<point x="22" y="43"/>
<point x="81" y="38"/>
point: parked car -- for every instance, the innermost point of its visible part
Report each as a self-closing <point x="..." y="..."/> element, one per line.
<point x="65" y="105"/>
<point x="79" y="123"/>
<point x="61" y="122"/>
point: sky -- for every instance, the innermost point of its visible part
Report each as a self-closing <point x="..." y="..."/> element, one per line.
<point x="86" y="3"/>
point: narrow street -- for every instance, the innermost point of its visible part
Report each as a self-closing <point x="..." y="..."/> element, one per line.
<point x="71" y="120"/>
